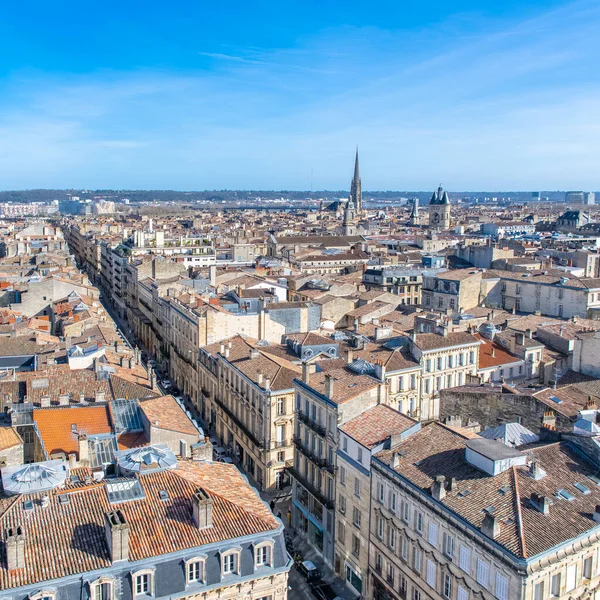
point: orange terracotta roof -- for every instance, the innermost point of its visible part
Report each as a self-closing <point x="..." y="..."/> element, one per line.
<point x="165" y="413"/>
<point x="56" y="431"/>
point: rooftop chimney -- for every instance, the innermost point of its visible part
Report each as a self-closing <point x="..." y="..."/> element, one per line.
<point x="99" y="396"/>
<point x="438" y="488"/>
<point x="254" y="353"/>
<point x="490" y="526"/>
<point x="226" y="352"/>
<point x="15" y="548"/>
<point x="259" y="378"/>
<point x="64" y="399"/>
<point x="202" y="509"/>
<point x="541" y="503"/>
<point x="117" y="535"/>
<point x="45" y="401"/>
<point x="84" y="449"/>
<point x="350" y="356"/>
<point x="329" y="386"/>
<point x="307" y="370"/>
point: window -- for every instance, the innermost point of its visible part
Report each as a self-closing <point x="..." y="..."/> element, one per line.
<point x="483" y="573"/>
<point x="380" y="493"/>
<point x="393" y="502"/>
<point x="357" y="487"/>
<point x="432" y="534"/>
<point x="262" y="555"/>
<point x="419" y="521"/>
<point x="403" y="586"/>
<point x="281" y="406"/>
<point x="462" y="593"/>
<point x="404" y="548"/>
<point x="345" y="444"/>
<point x="538" y="591"/>
<point x="102" y="589"/>
<point x="195" y="570"/>
<point x="360" y="455"/>
<point x="143" y="583"/>
<point x="341" y="530"/>
<point x="378" y="562"/>
<point x="431" y="573"/>
<point x="447" y="590"/>
<point x="417" y="563"/>
<point x="448" y="545"/>
<point x="571" y="578"/>
<point x="356" y="517"/>
<point x="356" y="545"/>
<point x="501" y="587"/>
<point x="391" y="574"/>
<point x="380" y="528"/>
<point x="405" y="511"/>
<point x="465" y="559"/>
<point x="342" y="504"/>
<point x="230" y="562"/>
<point x="416" y="595"/>
<point x="391" y="537"/>
<point x="555" y="584"/>
<point x="587" y="568"/>
<point x="343" y="475"/>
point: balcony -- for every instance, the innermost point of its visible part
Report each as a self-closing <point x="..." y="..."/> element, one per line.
<point x="320" y="462"/>
<point x="330" y="504"/>
<point x="319" y="429"/>
<point x="260" y="444"/>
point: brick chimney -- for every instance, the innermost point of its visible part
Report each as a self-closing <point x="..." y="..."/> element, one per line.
<point x="15" y="548"/>
<point x="117" y="535"/>
<point x="202" y="509"/>
<point x="84" y="449"/>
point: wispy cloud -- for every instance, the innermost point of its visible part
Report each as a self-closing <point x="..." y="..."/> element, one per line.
<point x="476" y="103"/>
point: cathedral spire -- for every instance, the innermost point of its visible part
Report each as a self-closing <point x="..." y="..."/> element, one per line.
<point x="355" y="187"/>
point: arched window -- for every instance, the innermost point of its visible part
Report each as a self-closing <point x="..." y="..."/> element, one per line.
<point x="263" y="554"/>
<point x="102" y="589"/>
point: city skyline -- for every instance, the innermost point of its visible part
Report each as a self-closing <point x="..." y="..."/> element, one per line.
<point x="259" y="99"/>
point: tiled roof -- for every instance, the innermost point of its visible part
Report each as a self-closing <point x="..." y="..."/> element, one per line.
<point x="165" y="413"/>
<point x="524" y="531"/>
<point x="56" y="426"/>
<point x="9" y="438"/>
<point x="434" y="341"/>
<point x="157" y="527"/>
<point x="500" y="357"/>
<point x="375" y="425"/>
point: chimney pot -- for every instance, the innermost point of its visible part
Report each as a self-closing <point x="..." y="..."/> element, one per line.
<point x="438" y="488"/>
<point x="15" y="548"/>
<point x="117" y="535"/>
<point x="490" y="526"/>
<point x="329" y="386"/>
<point x="202" y="509"/>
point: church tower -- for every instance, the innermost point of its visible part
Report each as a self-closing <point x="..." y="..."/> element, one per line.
<point x="439" y="210"/>
<point x="415" y="219"/>
<point x="356" y="188"/>
<point x="349" y="223"/>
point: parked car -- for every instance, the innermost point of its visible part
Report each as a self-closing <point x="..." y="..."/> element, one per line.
<point x="219" y="452"/>
<point x="225" y="459"/>
<point x="165" y="383"/>
<point x="323" y="591"/>
<point x="309" y="570"/>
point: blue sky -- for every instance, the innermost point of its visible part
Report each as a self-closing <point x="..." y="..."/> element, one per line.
<point x="254" y="95"/>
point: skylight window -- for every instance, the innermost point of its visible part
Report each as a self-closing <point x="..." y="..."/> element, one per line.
<point x="555" y="399"/>
<point x="595" y="479"/>
<point x="582" y="488"/>
<point x="124" y="490"/>
<point x="565" y="495"/>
